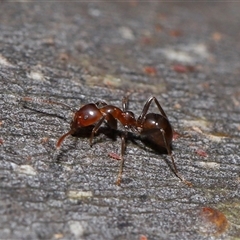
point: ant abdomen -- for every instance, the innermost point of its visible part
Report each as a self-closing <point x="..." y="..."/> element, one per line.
<point x="157" y="129"/>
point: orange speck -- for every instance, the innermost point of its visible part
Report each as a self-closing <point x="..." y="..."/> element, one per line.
<point x="150" y="71"/>
<point x="216" y="36"/>
<point x="146" y="40"/>
<point x="201" y="152"/>
<point x="175" y="33"/>
<point x="143" y="237"/>
<point x="44" y="140"/>
<point x="179" y="68"/>
<point x="176" y="135"/>
<point x="114" y="156"/>
<point x="214" y="220"/>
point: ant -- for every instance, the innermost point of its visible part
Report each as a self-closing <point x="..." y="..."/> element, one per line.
<point x="152" y="126"/>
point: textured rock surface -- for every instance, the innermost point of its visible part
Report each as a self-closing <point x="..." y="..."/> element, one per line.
<point x="187" y="55"/>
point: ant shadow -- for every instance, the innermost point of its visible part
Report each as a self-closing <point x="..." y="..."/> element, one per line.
<point x="147" y="145"/>
<point x="142" y="142"/>
<point x="87" y="131"/>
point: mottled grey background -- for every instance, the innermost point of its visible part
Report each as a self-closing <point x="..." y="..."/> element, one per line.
<point x="78" y="53"/>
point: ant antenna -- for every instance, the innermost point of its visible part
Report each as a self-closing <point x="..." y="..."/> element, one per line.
<point x="59" y="143"/>
<point x="60" y="140"/>
<point x="125" y="101"/>
<point x="37" y="100"/>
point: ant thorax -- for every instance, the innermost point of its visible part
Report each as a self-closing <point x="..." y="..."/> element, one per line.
<point x="129" y="120"/>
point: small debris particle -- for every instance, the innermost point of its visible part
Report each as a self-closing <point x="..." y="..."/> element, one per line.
<point x="94" y="12"/>
<point x="1" y="141"/>
<point x="110" y="80"/>
<point x="177" y="106"/>
<point x="26" y="169"/>
<point x="178" y="55"/>
<point x="213" y="165"/>
<point x="179" y="68"/>
<point x="176" y="135"/>
<point x="217" y="36"/>
<point x="126" y="33"/>
<point x="215" y="138"/>
<point x="4" y="62"/>
<point x="36" y="75"/>
<point x="146" y="40"/>
<point x="159" y="27"/>
<point x="214" y="221"/>
<point x="143" y="237"/>
<point x="114" y="156"/>
<point x="58" y="235"/>
<point x="152" y="71"/>
<point x="200" y="124"/>
<point x="64" y="57"/>
<point x="201" y="152"/>
<point x="175" y="33"/>
<point x="76" y="228"/>
<point x="44" y="140"/>
<point x="49" y="41"/>
<point x="75" y="194"/>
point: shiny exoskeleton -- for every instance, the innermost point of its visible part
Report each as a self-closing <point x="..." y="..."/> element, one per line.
<point x="152" y="126"/>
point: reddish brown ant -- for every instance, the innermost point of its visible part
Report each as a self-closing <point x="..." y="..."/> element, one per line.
<point x="154" y="127"/>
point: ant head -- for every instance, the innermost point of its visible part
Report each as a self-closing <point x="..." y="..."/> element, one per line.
<point x="86" y="116"/>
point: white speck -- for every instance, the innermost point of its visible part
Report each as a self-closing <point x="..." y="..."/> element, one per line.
<point x="203" y="127"/>
<point x="76" y="228"/>
<point x="199" y="123"/>
<point x="185" y="53"/>
<point x="94" y="12"/>
<point x="4" y="62"/>
<point x="177" y="55"/>
<point x="26" y="169"/>
<point x="112" y="81"/>
<point x="213" y="165"/>
<point x="78" y="194"/>
<point x="36" y="75"/>
<point x="215" y="138"/>
<point x="126" y="33"/>
<point x="199" y="49"/>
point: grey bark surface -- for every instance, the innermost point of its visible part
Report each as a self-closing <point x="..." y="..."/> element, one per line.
<point x="77" y="53"/>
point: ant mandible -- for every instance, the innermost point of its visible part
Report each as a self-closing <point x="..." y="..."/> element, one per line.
<point x="152" y="126"/>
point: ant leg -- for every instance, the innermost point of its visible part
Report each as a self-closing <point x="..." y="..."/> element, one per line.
<point x="169" y="151"/>
<point x="146" y="108"/>
<point x="123" y="147"/>
<point x="95" y="129"/>
<point x="173" y="162"/>
<point x="59" y="143"/>
<point x="125" y="103"/>
<point x="111" y="121"/>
